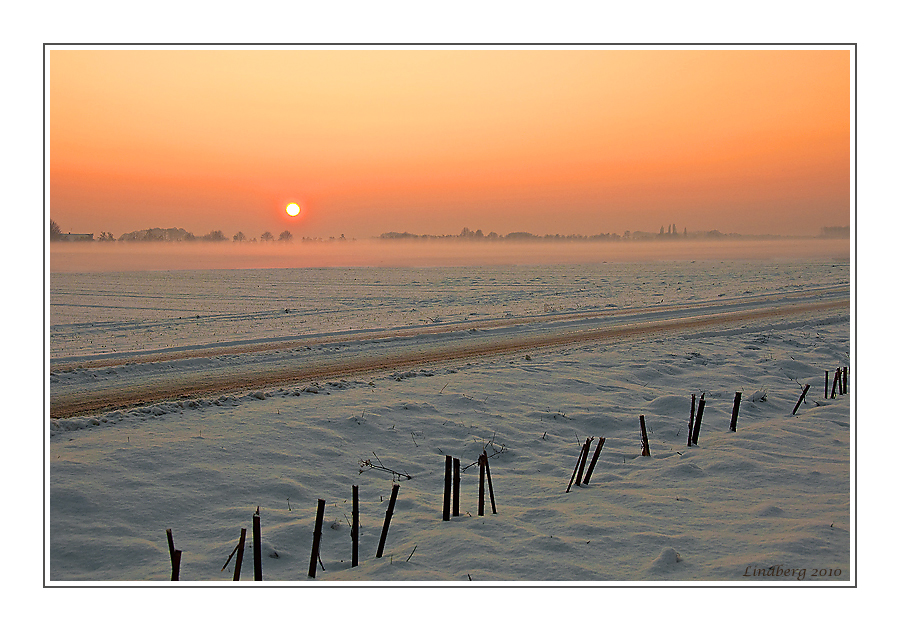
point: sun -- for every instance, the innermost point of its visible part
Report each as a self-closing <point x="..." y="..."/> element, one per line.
<point x="292" y="209"/>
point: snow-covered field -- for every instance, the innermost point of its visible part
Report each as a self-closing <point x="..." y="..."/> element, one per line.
<point x="98" y="314"/>
<point x="515" y="361"/>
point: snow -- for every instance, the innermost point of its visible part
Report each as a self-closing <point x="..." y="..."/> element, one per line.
<point x="777" y="493"/>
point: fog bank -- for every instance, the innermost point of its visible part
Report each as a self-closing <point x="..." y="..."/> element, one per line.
<point x="98" y="257"/>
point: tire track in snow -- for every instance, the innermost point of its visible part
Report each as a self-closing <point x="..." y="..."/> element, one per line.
<point x="100" y="398"/>
<point x="238" y="347"/>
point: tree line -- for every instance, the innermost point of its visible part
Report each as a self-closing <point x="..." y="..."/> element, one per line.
<point x="670" y="233"/>
<point x="217" y="236"/>
<point x="214" y="236"/>
<point x="167" y="235"/>
<point x="478" y="235"/>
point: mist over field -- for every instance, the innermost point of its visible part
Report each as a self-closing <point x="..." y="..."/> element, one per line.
<point x="97" y="257"/>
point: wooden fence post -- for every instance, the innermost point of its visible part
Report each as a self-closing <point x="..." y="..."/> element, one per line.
<point x="354" y="529"/>
<point x="171" y="553"/>
<point x="257" y="548"/>
<point x="587" y="448"/>
<point x="587" y="476"/>
<point x="835" y="382"/>
<point x="481" y="486"/>
<point x="581" y="457"/>
<point x="691" y="421"/>
<point x="240" y="556"/>
<point x="699" y="419"/>
<point x="317" y="538"/>
<point x="387" y="520"/>
<point x="487" y="470"/>
<point x="174" y="555"/>
<point x="171" y="544"/>
<point x="826" y="384"/>
<point x="645" y="442"/>
<point x="846" y="380"/>
<point x="734" y="411"/>
<point x="448" y="468"/>
<point x="800" y="400"/>
<point x="456" y="487"/>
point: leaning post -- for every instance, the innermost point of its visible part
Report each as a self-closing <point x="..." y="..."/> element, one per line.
<point x="317" y="538"/>
<point x="645" y="442"/>
<point x="387" y="520"/>
<point x="734" y="411"/>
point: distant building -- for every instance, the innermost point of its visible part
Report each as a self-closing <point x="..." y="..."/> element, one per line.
<point x="76" y="237"/>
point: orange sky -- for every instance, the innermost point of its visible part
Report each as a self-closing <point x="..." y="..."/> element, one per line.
<point x="430" y="141"/>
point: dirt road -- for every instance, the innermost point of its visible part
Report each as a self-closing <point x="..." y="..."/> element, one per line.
<point x="178" y="375"/>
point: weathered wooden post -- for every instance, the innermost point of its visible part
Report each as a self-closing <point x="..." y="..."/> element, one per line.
<point x="354" y="530"/>
<point x="699" y="419"/>
<point x="176" y="567"/>
<point x="238" y="562"/>
<point x="587" y="476"/>
<point x="691" y="421"/>
<point x="487" y="470"/>
<point x="448" y="467"/>
<point x="456" y="487"/>
<point x="846" y="379"/>
<point x="826" y="384"/>
<point x="317" y="538"/>
<point x="171" y="541"/>
<point x="587" y="447"/>
<point x="734" y="411"/>
<point x="835" y="382"/>
<point x="645" y="442"/>
<point x="257" y="548"/>
<point x="581" y="456"/>
<point x="800" y="400"/>
<point x="387" y="520"/>
<point x="174" y="555"/>
<point x="481" y="486"/>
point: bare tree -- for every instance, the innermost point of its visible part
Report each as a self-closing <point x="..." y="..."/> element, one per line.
<point x="267" y="236"/>
<point x="285" y="236"/>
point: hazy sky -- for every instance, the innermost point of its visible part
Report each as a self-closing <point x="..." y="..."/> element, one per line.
<point x="431" y="141"/>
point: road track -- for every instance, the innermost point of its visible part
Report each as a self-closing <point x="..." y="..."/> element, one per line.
<point x="93" y="400"/>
